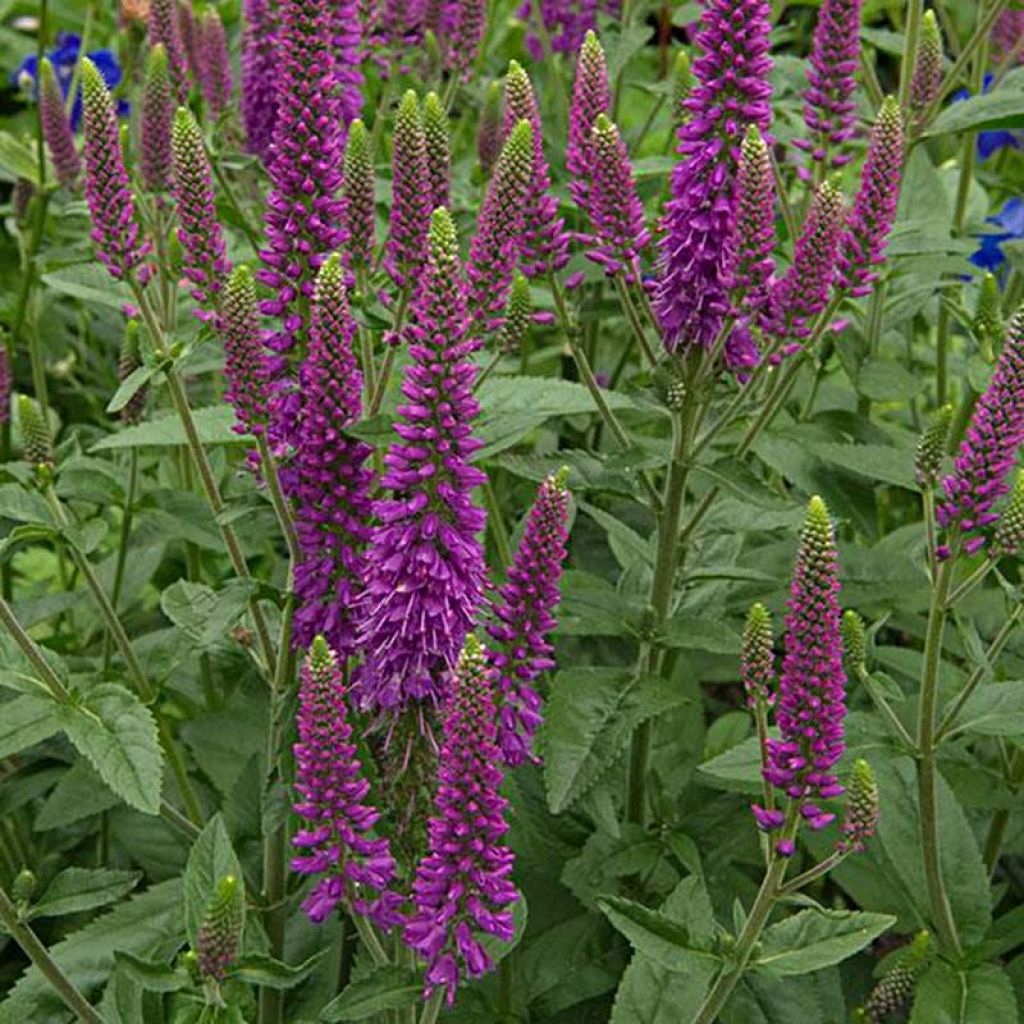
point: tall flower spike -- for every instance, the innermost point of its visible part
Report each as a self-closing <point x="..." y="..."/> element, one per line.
<point x="524" y="616"/>
<point x="438" y="150"/>
<point x="874" y="209"/>
<point x="988" y="451"/>
<point x="1006" y="33"/>
<point x="304" y="218"/>
<point x="757" y="657"/>
<point x="259" y="76"/>
<point x="829" y="104"/>
<point x="615" y="207"/>
<point x="590" y="97"/>
<point x="425" y="573"/>
<point x="331" y="479"/>
<point x="754" y="241"/>
<point x="469" y="25"/>
<point x="410" y="201"/>
<point x="165" y="28"/>
<point x="927" y="80"/>
<point x="360" y="196"/>
<point x="492" y="252"/>
<point x="861" y="818"/>
<point x="812" y="701"/>
<point x="189" y="38"/>
<point x="544" y="244"/>
<point x="732" y="92"/>
<point x="245" y="365"/>
<point x="803" y="292"/>
<point x="348" y="43"/>
<point x="517" y="315"/>
<point x="220" y="935"/>
<point x="931" y="448"/>
<point x="36" y="440"/>
<point x="204" y="261"/>
<point x="157" y="116"/>
<point x="463" y="885"/>
<point x="214" y="62"/>
<point x="488" y="138"/>
<point x="335" y="842"/>
<point x="60" y="140"/>
<point x="115" y="232"/>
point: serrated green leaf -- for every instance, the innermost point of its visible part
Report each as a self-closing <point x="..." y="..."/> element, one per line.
<point x="982" y="995"/>
<point x="79" y="794"/>
<point x="205" y="615"/>
<point x="739" y="767"/>
<point x="812" y="939"/>
<point x="89" y="282"/>
<point x="130" y="387"/>
<point x="265" y="971"/>
<point x="384" y="988"/>
<point x="25" y="721"/>
<point x="994" y="709"/>
<point x="24" y="506"/>
<point x="215" y="425"/>
<point x="152" y="975"/>
<point x="211" y="858"/>
<point x="995" y="111"/>
<point x="78" y="889"/>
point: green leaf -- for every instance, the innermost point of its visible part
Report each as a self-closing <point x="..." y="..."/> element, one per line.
<point x="995" y="709"/>
<point x="697" y="633"/>
<point x="265" y="971"/>
<point x="627" y="545"/>
<point x="205" y="615"/>
<point x="24" y="506"/>
<point x="983" y="995"/>
<point x="810" y="999"/>
<point x="887" y="381"/>
<point x="25" y="721"/>
<point x="739" y="767"/>
<point x="661" y="938"/>
<point x="591" y="717"/>
<point x="18" y="159"/>
<point x="215" y="425"/>
<point x="211" y="858"/>
<point x="117" y="733"/>
<point x="384" y="988"/>
<point x="89" y="282"/>
<point x="131" y="386"/>
<point x="993" y="111"/>
<point x="813" y="939"/>
<point x="78" y="889"/>
<point x="591" y="606"/>
<point x="79" y="794"/>
<point x="152" y="975"/>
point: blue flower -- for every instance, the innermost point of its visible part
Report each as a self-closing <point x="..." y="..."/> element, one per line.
<point x="991" y="142"/>
<point x="1010" y="220"/>
<point x="64" y="57"/>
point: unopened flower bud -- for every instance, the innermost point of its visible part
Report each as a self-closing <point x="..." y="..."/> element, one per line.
<point x="220" y="934"/>
<point x="932" y="447"/>
<point x="861" y="818"/>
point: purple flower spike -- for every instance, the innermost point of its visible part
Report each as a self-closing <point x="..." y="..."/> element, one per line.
<point x="259" y="76"/>
<point x="544" y="244"/>
<point x="731" y="92"/>
<point x="469" y="25"/>
<point x="165" y="28"/>
<point x="829" y="103"/>
<point x="493" y="250"/>
<point x="115" y="232"/>
<point x="331" y="482"/>
<point x="812" y="701"/>
<point x="927" y="80"/>
<point x="60" y="140"/>
<point x="410" y="202"/>
<point x="331" y="791"/>
<point x="360" y="196"/>
<point x="157" y="117"/>
<point x="874" y="209"/>
<point x="348" y="45"/>
<point x="214" y="62"/>
<point x="525" y="616"/>
<point x="751" y="261"/>
<point x="565" y="23"/>
<point x="438" y="150"/>
<point x="988" y="452"/>
<point x="488" y="139"/>
<point x="615" y="208"/>
<point x="203" y="253"/>
<point x="803" y="292"/>
<point x="245" y="366"/>
<point x="305" y="216"/>
<point x="425" y="575"/>
<point x="590" y="97"/>
<point x="463" y="885"/>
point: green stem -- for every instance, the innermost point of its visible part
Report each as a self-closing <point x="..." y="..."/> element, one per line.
<point x="971" y="582"/>
<point x="32" y="652"/>
<point x="251" y="234"/>
<point x="1000" y="820"/>
<point x="633" y="318"/>
<point x="870" y="78"/>
<point x="27" y="939"/>
<point x="911" y="37"/>
<point x="927" y="770"/>
<point x="122" y="545"/>
<point x="496" y="524"/>
<point x="878" y="698"/>
<point x="38" y="365"/>
<point x="432" y="1008"/>
<point x="284" y="516"/>
<point x="389" y="356"/>
<point x="821" y="868"/>
<point x="369" y="938"/>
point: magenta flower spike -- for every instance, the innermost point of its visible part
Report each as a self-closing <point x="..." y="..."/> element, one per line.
<point x="544" y="245"/>
<point x="927" y="80"/>
<point x="524" y="614"/>
<point x="468" y="25"/>
<point x="437" y="145"/>
<point x="731" y="93"/>
<point x="874" y="208"/>
<point x="204" y="259"/>
<point x="157" y="118"/>
<point x="829" y="104"/>
<point x="463" y="886"/>
<point x="1006" y="32"/>
<point x="60" y="140"/>
<point x="751" y="260"/>
<point x="565" y="22"/>
<point x="590" y="97"/>
<point x="359" y="184"/>
<point x="165" y="28"/>
<point x="189" y="38"/>
<point x="616" y="211"/>
<point x="811" y="703"/>
<point x="215" y="78"/>
<point x="335" y="842"/>
<point x="488" y="139"/>
<point x="425" y="571"/>
<point x="115" y="231"/>
<point x="410" y="201"/>
<point x="988" y="451"/>
<point x="330" y="481"/>
<point x="493" y="250"/>
<point x="348" y="47"/>
<point x="804" y="290"/>
<point x="245" y="364"/>
<point x="259" y="76"/>
<point x="860" y="821"/>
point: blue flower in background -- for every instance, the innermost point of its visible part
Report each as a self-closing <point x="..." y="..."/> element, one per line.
<point x="992" y="142"/>
<point x="64" y="57"/>
<point x="1010" y="220"/>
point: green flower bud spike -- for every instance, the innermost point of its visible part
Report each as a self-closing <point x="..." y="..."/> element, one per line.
<point x="669" y="385"/>
<point x="988" y="324"/>
<point x="932" y="447"/>
<point x="1009" y="535"/>
<point x="855" y="642"/>
<point x="220" y="934"/>
<point x="37" y="445"/>
<point x="861" y="818"/>
<point x="517" y="316"/>
<point x="439" y="157"/>
<point x="757" y="657"/>
<point x="894" y="993"/>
